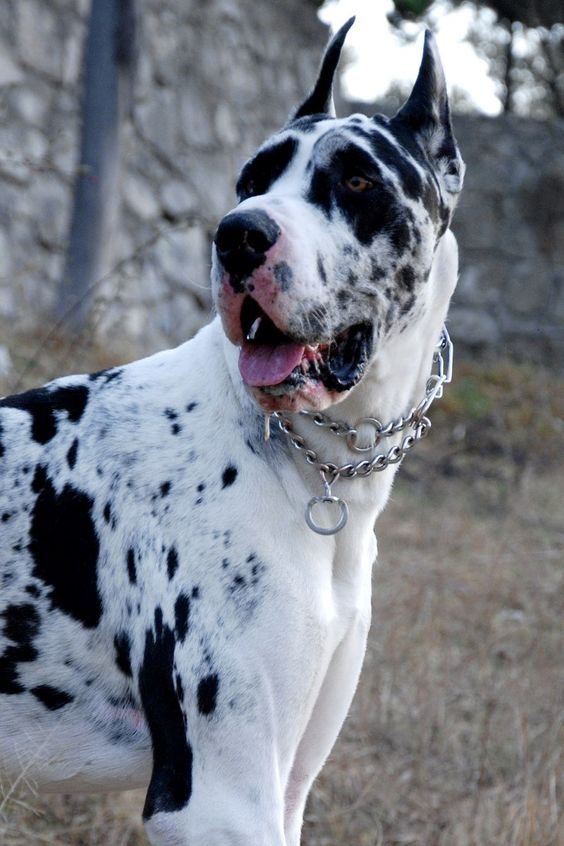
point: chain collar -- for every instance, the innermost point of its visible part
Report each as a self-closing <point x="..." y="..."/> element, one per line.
<point x="416" y="420"/>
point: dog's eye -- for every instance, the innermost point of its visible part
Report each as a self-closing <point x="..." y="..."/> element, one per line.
<point x="358" y="184"/>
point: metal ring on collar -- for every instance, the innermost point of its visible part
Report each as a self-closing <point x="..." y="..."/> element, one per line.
<point x="322" y="500"/>
<point x="353" y="435"/>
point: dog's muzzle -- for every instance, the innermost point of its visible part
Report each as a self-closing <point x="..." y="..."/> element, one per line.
<point x="242" y="241"/>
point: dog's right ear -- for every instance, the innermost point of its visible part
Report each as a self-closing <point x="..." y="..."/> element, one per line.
<point x="321" y="98"/>
<point x="426" y="114"/>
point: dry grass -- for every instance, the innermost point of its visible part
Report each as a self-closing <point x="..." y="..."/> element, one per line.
<point x="108" y="820"/>
<point x="455" y="735"/>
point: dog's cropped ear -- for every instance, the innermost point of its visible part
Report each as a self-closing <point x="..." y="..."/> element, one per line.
<point x="427" y="115"/>
<point x="321" y="98"/>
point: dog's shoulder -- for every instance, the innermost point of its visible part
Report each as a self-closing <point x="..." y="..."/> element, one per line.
<point x="73" y="411"/>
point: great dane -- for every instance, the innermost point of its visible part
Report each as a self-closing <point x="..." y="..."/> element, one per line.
<point x="187" y="541"/>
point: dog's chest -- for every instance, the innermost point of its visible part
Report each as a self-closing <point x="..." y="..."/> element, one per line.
<point x="182" y="525"/>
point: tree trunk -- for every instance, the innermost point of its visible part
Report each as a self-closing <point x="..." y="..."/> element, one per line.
<point x="109" y="60"/>
<point x="553" y="50"/>
<point x="508" y="69"/>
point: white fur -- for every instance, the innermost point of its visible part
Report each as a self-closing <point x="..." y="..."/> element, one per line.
<point x="288" y="649"/>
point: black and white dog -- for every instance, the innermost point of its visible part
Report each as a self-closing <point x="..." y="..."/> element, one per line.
<point x="168" y="618"/>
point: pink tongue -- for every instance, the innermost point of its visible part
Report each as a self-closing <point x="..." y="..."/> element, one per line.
<point x="265" y="364"/>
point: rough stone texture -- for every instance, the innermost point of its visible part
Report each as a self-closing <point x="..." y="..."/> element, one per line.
<point x="510" y="226"/>
<point x="213" y="80"/>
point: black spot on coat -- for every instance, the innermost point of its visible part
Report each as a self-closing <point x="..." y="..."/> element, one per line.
<point x="406" y="277"/>
<point x="207" y="694"/>
<point x="42" y="403"/>
<point x="64" y="546"/>
<point x="406" y="171"/>
<point x="321" y="269"/>
<point x="9" y="681"/>
<point x="21" y="626"/>
<point x="284" y="275"/>
<point x="182" y="616"/>
<point x="229" y="476"/>
<point x="106" y="376"/>
<point x="131" y="568"/>
<point x="51" y="697"/>
<point x="265" y="168"/>
<point x="238" y="583"/>
<point x="71" y="454"/>
<point x="107" y="512"/>
<point x="172" y="562"/>
<point x="123" y="653"/>
<point x="171" y="780"/>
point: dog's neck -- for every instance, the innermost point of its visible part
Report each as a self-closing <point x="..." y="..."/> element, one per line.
<point x="394" y="385"/>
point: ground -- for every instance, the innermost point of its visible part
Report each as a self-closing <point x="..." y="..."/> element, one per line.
<point x="455" y="735"/>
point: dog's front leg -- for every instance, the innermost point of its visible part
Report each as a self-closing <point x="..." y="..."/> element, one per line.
<point x="215" y="778"/>
<point x="325" y="723"/>
<point x="235" y="797"/>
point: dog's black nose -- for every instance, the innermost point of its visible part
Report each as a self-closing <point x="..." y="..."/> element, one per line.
<point x="242" y="241"/>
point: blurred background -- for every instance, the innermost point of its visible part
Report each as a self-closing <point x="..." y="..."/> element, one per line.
<point x="123" y="126"/>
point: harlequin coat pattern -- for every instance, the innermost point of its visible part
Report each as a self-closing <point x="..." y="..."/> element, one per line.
<point x="167" y="618"/>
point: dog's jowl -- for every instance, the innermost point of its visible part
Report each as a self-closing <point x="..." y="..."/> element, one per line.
<point x="185" y="595"/>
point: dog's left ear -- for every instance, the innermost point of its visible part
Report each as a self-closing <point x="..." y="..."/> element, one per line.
<point x="320" y="101"/>
<point x="426" y="114"/>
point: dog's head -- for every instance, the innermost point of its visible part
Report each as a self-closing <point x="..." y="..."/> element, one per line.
<point x="330" y="248"/>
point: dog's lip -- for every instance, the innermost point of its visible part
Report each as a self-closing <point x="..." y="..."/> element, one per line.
<point x="271" y="359"/>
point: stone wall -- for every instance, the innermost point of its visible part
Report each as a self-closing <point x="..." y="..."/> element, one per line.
<point x="213" y="80"/>
<point x="510" y="227"/>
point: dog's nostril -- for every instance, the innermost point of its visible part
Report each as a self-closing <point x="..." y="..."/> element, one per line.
<point x="228" y="235"/>
<point x="226" y="240"/>
<point x="257" y="241"/>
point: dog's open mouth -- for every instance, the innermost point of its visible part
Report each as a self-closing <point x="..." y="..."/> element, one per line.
<point x="278" y="364"/>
